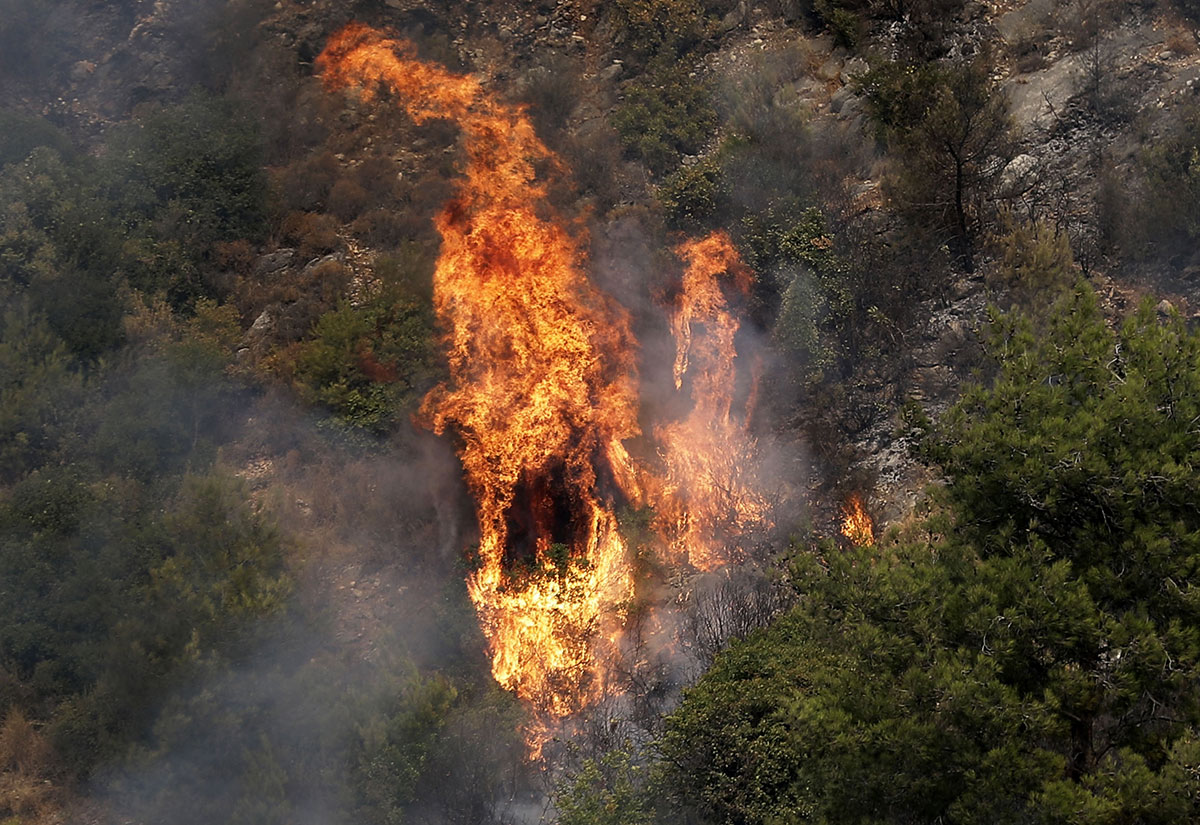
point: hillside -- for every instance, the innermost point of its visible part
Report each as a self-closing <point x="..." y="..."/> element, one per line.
<point x="656" y="411"/>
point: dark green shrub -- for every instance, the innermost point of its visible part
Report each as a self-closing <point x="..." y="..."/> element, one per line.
<point x="369" y="364"/>
<point x="1189" y="8"/>
<point x="845" y="25"/>
<point x="693" y="195"/>
<point x="552" y="92"/>
<point x="665" y="114"/>
<point x="661" y="28"/>
<point x="192" y="172"/>
<point x="1171" y="176"/>
<point x="109" y="590"/>
<point x="21" y="134"/>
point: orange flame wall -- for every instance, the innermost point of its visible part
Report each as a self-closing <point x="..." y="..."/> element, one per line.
<point x="541" y="392"/>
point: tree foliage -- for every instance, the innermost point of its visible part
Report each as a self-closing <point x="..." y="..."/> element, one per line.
<point x="1028" y="653"/>
<point x="950" y="130"/>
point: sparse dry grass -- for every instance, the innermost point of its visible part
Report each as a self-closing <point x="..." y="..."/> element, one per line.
<point x="27" y="795"/>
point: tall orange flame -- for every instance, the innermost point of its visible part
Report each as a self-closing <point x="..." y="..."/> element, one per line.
<point x="541" y="391"/>
<point x="707" y="498"/>
<point x="542" y="394"/>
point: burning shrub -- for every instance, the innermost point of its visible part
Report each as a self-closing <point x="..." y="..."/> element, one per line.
<point x="1067" y="464"/>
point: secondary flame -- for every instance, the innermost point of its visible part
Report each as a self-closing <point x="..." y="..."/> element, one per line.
<point x="856" y="524"/>
<point x="541" y="390"/>
<point x="707" y="499"/>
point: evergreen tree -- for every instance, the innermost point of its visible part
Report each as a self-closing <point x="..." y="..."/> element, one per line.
<point x="1030" y="652"/>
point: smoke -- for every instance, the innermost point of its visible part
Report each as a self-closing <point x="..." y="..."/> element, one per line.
<point x="371" y="693"/>
<point x="370" y="690"/>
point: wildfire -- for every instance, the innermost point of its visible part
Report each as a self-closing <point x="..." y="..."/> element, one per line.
<point x="541" y="391"/>
<point x="542" y="394"/>
<point x="706" y="497"/>
<point x="856" y="524"/>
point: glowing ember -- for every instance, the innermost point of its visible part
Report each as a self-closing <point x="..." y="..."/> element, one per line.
<point x="541" y="392"/>
<point x="856" y="524"/>
<point x="707" y="499"/>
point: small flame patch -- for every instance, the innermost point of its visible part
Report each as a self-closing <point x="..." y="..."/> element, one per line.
<point x="857" y="526"/>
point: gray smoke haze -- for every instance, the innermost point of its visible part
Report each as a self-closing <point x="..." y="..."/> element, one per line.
<point x="370" y="689"/>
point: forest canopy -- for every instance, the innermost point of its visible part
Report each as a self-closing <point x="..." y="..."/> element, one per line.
<point x="1028" y="650"/>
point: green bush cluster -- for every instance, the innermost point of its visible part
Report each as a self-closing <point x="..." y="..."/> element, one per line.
<point x="815" y="290"/>
<point x="664" y="29"/>
<point x="370" y="363"/>
<point x="112" y="590"/>
<point x="145" y="215"/>
<point x="127" y="557"/>
<point x="693" y="195"/>
<point x="666" y="113"/>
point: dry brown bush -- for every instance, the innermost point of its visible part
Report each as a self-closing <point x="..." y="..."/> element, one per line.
<point x="312" y="234"/>
<point x="347" y="200"/>
<point x="235" y="256"/>
<point x="1181" y="41"/>
<point x="297" y="298"/>
<point x="304" y="186"/>
<point x="26" y="760"/>
<point x="378" y="177"/>
<point x="385" y="228"/>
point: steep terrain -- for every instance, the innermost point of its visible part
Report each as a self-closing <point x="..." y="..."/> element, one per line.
<point x="886" y="171"/>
